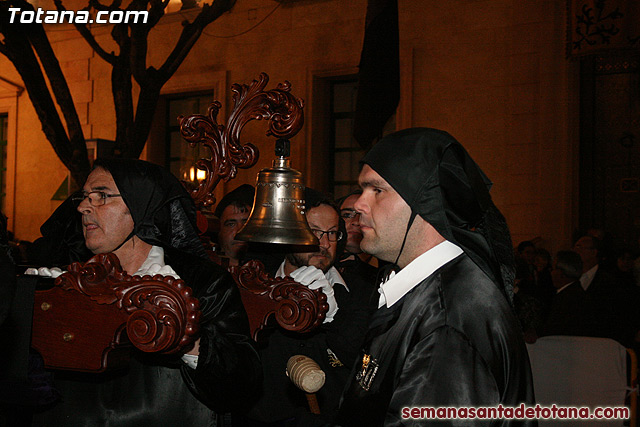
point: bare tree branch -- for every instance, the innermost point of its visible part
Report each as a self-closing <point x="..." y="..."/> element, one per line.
<point x="139" y="36"/>
<point x="147" y="102"/>
<point x="156" y="12"/>
<point x="18" y="48"/>
<point x="21" y="44"/>
<point x="191" y="33"/>
<point x="115" y="5"/>
<point x="60" y="89"/>
<point x="86" y="34"/>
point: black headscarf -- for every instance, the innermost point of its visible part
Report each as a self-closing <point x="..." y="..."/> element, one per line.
<point x="438" y="179"/>
<point x="163" y="214"/>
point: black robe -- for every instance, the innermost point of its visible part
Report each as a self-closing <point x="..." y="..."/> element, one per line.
<point x="611" y="309"/>
<point x="157" y="390"/>
<point x="333" y="346"/>
<point x="452" y="341"/>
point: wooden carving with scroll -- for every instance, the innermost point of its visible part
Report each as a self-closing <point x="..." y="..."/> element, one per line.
<point x="159" y="314"/>
<point x="294" y="306"/>
<point x="251" y="102"/>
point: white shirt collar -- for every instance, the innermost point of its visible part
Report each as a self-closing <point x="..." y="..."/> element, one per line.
<point x="154" y="264"/>
<point x="332" y="275"/>
<point x="398" y="285"/>
<point x="587" y="277"/>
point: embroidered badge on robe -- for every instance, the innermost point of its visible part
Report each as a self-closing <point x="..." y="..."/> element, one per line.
<point x="333" y="359"/>
<point x="368" y="372"/>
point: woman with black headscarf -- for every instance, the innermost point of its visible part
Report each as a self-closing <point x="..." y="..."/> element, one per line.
<point x="131" y="207"/>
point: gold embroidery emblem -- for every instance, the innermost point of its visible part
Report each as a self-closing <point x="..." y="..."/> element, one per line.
<point x="368" y="372"/>
<point x="333" y="359"/>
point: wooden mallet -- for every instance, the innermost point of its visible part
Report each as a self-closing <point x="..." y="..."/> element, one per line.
<point x="305" y="373"/>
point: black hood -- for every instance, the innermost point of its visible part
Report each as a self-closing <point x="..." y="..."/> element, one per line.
<point x="442" y="184"/>
<point x="163" y="213"/>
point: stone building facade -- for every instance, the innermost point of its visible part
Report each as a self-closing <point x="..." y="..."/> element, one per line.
<point x="493" y="73"/>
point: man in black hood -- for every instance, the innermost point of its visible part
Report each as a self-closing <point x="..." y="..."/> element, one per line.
<point x="444" y="333"/>
<point x="141" y="213"/>
<point x="233" y="212"/>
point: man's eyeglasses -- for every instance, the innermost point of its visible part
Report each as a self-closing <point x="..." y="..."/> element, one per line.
<point x="333" y="235"/>
<point x="96" y="198"/>
<point x="349" y="213"/>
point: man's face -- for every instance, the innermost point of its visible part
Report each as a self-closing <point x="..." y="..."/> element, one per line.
<point x="104" y="227"/>
<point x="585" y="247"/>
<point x="323" y="218"/>
<point x="231" y="221"/>
<point x="541" y="262"/>
<point x="625" y="262"/>
<point x="557" y="277"/>
<point x="528" y="254"/>
<point x="383" y="216"/>
<point x="352" y="221"/>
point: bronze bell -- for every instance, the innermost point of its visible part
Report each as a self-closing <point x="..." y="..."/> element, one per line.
<point x="278" y="207"/>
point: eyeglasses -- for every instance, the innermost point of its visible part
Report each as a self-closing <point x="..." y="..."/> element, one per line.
<point x="96" y="198"/>
<point x="333" y="235"/>
<point x="349" y="213"/>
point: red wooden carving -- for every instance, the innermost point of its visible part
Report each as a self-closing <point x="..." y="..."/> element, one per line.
<point x="159" y="314"/>
<point x="295" y="307"/>
<point x="251" y="102"/>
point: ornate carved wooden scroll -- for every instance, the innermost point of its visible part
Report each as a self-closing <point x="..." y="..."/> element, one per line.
<point x="159" y="314"/>
<point x="295" y="307"/>
<point x="251" y="102"/>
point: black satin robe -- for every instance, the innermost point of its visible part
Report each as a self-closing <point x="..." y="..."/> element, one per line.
<point x="452" y="341"/>
<point x="281" y="402"/>
<point x="157" y="390"/>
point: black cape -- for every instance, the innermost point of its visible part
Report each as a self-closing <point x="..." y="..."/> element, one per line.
<point x="334" y="346"/>
<point x="452" y="341"/>
<point x="160" y="389"/>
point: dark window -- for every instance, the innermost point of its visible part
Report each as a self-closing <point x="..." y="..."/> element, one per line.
<point x="347" y="152"/>
<point x="180" y="156"/>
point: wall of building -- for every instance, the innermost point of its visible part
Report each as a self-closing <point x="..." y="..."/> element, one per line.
<point x="491" y="72"/>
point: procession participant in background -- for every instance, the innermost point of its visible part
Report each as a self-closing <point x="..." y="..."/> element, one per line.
<point x="333" y="346"/>
<point x="233" y="211"/>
